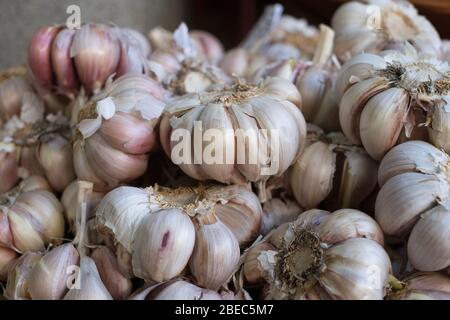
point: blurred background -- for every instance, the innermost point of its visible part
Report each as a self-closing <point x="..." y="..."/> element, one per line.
<point x="228" y="19"/>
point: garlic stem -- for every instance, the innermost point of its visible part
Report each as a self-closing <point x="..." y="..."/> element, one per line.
<point x="325" y="46"/>
<point x="84" y="193"/>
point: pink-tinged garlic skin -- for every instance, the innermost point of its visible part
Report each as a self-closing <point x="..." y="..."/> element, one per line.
<point x="63" y="65"/>
<point x="96" y="53"/>
<point x="7" y="258"/>
<point x="128" y="133"/>
<point x="39" y="55"/>
<point x="134" y="51"/>
<point x="13" y="87"/>
<point x="8" y="170"/>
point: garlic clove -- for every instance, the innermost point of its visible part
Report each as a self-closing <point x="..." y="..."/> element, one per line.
<point x="7" y="259"/>
<point x="357" y="268"/>
<point x="352" y="105"/>
<point x="360" y="67"/>
<point x="96" y="53"/>
<point x="427" y="244"/>
<point x="55" y="157"/>
<point x="411" y="156"/>
<point x="48" y="280"/>
<point x="62" y="63"/>
<point x="87" y="284"/>
<point x="235" y="62"/>
<point x="382" y="121"/>
<point x="207" y="44"/>
<point x="163" y="244"/>
<point x="39" y="51"/>
<point x="36" y="218"/>
<point x="439" y="130"/>
<point x="18" y="276"/>
<point x="312" y="84"/>
<point x="403" y="198"/>
<point x="117" y="284"/>
<point x="311" y="178"/>
<point x="216" y="253"/>
<point x="128" y="133"/>
<point x="8" y="170"/>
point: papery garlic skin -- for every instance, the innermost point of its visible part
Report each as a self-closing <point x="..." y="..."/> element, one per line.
<point x="412" y="200"/>
<point x="175" y="290"/>
<point x="31" y="216"/>
<point x="383" y="99"/>
<point x="117" y="124"/>
<point x="252" y="271"/>
<point x="326" y="255"/>
<point x="224" y="112"/>
<point x="207" y="44"/>
<point x="178" y="226"/>
<point x="372" y="26"/>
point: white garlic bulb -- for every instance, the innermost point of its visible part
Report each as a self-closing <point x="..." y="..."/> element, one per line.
<point x="413" y="199"/>
<point x="331" y="168"/>
<point x="387" y="95"/>
<point x="375" y="24"/>
<point x="116" y="130"/>
<point x="30" y="216"/>
<point x="179" y="226"/>
<point x="423" y="286"/>
<point x="235" y="134"/>
<point x="337" y="255"/>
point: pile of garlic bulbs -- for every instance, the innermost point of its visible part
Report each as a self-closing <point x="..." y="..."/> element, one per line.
<point x="306" y="163"/>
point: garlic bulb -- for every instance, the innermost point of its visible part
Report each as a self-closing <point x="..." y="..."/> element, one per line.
<point x="383" y="96"/>
<point x="278" y="211"/>
<point x="7" y="258"/>
<point x="178" y="226"/>
<point x="116" y="130"/>
<point x="49" y="278"/>
<point x="117" y="284"/>
<point x="332" y="169"/>
<point x="17" y="97"/>
<point x="414" y="199"/>
<point x="179" y="63"/>
<point x="175" y="290"/>
<point x="258" y="131"/>
<point x="30" y="216"/>
<point x="375" y="24"/>
<point x="18" y="276"/>
<point x="69" y="202"/>
<point x="423" y="286"/>
<point x="338" y="254"/>
<point x="66" y="59"/>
